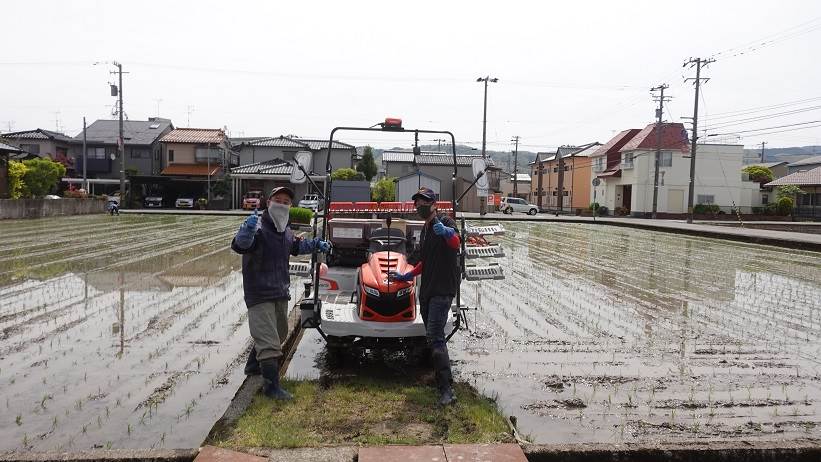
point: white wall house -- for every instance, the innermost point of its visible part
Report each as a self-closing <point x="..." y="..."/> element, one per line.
<point x="629" y="184"/>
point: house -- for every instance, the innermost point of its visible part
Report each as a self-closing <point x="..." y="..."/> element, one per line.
<point x="522" y="181"/>
<point x="627" y="185"/>
<point x="44" y="143"/>
<point x="6" y="150"/>
<point x="804" y="165"/>
<point x="142" y="147"/>
<point x="255" y="150"/>
<point x="193" y="159"/>
<point x="406" y="186"/>
<point x="439" y="165"/>
<point x="265" y="176"/>
<point x="808" y="204"/>
<point x="779" y="169"/>
<point x="544" y="170"/>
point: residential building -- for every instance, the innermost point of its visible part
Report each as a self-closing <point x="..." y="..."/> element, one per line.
<point x="804" y="165"/>
<point x="439" y="165"/>
<point x="194" y="158"/>
<point x="808" y="205"/>
<point x="265" y="176"/>
<point x="628" y="184"/>
<point x="44" y="143"/>
<point x="522" y="181"/>
<point x="142" y="147"/>
<point x="6" y="151"/>
<point x="575" y="178"/>
<point x="257" y="150"/>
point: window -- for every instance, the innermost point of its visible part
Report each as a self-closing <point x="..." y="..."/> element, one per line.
<point x="765" y="199"/>
<point x="203" y="154"/>
<point x="170" y="155"/>
<point x="95" y="153"/>
<point x="598" y="166"/>
<point x="706" y="199"/>
<point x="140" y="154"/>
<point x="627" y="160"/>
<point x="666" y="159"/>
<point x="31" y="148"/>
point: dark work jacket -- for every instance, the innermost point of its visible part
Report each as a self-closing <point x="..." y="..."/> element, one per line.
<point x="440" y="266"/>
<point x="265" y="264"/>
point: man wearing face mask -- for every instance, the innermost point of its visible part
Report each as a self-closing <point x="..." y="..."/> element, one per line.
<point x="266" y="243"/>
<point x="438" y="265"/>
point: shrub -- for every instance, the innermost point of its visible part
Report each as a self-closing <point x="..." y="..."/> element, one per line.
<point x="601" y="211"/>
<point x="593" y="206"/>
<point x="384" y="190"/>
<point x="301" y="215"/>
<point x="784" y="205"/>
<point x="347" y="174"/>
<point x="621" y="211"/>
<point x="788" y="190"/>
<point x="758" y="173"/>
<point x="17" y="170"/>
<point x="41" y="175"/>
<point x="706" y="209"/>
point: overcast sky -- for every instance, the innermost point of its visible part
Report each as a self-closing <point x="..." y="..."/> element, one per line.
<point x="569" y="72"/>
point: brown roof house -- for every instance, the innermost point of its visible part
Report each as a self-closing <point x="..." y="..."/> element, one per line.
<point x="194" y="161"/>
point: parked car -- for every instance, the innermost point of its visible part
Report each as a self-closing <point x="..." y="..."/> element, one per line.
<point x="184" y="203"/>
<point x="514" y="204"/>
<point x="310" y="201"/>
<point x="251" y="200"/>
<point x="151" y="202"/>
<point x="51" y="196"/>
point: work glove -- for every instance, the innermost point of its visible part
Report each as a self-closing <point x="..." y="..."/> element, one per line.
<point x="404" y="277"/>
<point x="441" y="230"/>
<point x="245" y="235"/>
<point x="322" y="246"/>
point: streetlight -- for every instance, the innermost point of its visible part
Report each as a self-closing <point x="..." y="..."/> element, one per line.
<point x="485" y="79"/>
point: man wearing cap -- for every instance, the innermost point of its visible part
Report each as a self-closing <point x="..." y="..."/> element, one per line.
<point x="438" y="265"/>
<point x="266" y="245"/>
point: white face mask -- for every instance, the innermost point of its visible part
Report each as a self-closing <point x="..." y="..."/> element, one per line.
<point x="279" y="214"/>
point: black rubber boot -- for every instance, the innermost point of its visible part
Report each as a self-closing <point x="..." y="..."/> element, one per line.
<point x="270" y="374"/>
<point x="252" y="365"/>
<point x="444" y="377"/>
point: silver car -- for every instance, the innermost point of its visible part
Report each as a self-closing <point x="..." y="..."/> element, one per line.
<point x="514" y="204"/>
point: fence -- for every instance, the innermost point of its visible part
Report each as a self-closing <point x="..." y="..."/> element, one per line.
<point x="38" y="208"/>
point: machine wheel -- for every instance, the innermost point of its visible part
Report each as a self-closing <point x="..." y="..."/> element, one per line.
<point x="532" y="212"/>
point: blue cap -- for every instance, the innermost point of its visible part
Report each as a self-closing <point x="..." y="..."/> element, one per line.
<point x="424" y="193"/>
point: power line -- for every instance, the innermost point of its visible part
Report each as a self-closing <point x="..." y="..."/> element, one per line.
<point x="747" y="120"/>
<point x="767" y="128"/>
<point x="741" y="112"/>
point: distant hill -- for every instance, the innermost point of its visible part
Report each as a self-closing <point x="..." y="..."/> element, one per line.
<point x="791" y="154"/>
<point x="501" y="158"/>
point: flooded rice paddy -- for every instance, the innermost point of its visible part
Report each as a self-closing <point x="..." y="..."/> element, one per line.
<point x="605" y="334"/>
<point x="127" y="332"/>
<point x="118" y="332"/>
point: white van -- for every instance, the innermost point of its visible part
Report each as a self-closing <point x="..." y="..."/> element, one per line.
<point x="514" y="204"/>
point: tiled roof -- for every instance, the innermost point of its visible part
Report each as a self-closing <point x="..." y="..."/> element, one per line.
<point x="673" y="136"/>
<point x="607" y="173"/>
<point x="807" y="161"/>
<point x="296" y="143"/>
<point x="38" y="134"/>
<point x="5" y="147"/>
<point x="190" y="169"/>
<point x="616" y="143"/>
<point x="567" y="151"/>
<point x="194" y="135"/>
<point x="323" y="144"/>
<point x="137" y="132"/>
<point x="766" y="164"/>
<point x="432" y="158"/>
<point x="268" y="167"/>
<point x="807" y="178"/>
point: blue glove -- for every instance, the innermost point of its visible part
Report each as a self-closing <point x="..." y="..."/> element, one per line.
<point x="404" y="277"/>
<point x="245" y="235"/>
<point x="441" y="230"/>
<point x="322" y="246"/>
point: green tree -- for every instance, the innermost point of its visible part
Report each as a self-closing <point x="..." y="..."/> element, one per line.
<point x="366" y="165"/>
<point x="788" y="190"/>
<point x="347" y="174"/>
<point x="17" y="170"/>
<point x="384" y="190"/>
<point x="784" y="205"/>
<point x="41" y="175"/>
<point x="758" y="173"/>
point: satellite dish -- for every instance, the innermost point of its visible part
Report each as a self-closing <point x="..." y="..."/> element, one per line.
<point x="482" y="185"/>
<point x="301" y="159"/>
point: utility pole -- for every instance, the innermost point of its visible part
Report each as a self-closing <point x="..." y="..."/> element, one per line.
<point x="190" y="110"/>
<point x="439" y="144"/>
<point x="85" y="158"/>
<point x="659" y="114"/>
<point x="516" y="166"/>
<point x="121" y="140"/>
<point x="763" y="143"/>
<point x="539" y="172"/>
<point x="698" y="63"/>
<point x="485" y="79"/>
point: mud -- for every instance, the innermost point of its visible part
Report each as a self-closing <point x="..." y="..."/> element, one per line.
<point x="118" y="332"/>
<point x="625" y="336"/>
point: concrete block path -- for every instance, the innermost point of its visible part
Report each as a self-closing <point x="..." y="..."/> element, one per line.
<point x="432" y="453"/>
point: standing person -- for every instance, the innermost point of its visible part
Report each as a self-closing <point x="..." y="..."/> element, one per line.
<point x="266" y="243"/>
<point x="438" y="265"/>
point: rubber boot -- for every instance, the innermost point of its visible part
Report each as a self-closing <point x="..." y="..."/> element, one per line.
<point x="441" y="366"/>
<point x="252" y="365"/>
<point x="270" y="374"/>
